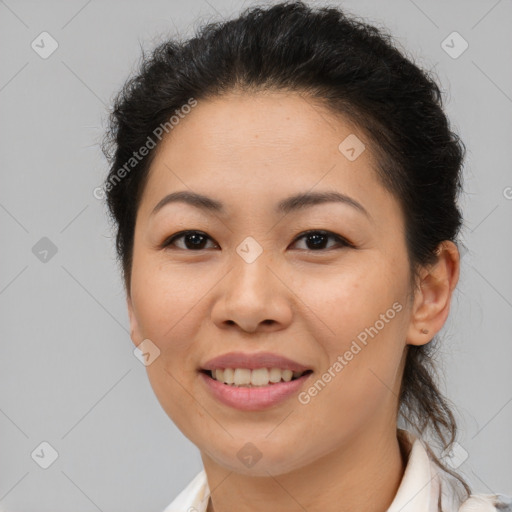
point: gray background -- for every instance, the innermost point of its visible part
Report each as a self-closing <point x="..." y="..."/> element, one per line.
<point x="68" y="373"/>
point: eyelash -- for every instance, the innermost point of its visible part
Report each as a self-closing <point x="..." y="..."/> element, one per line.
<point x="342" y="242"/>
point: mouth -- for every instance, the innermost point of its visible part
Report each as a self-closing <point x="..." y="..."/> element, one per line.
<point x="253" y="389"/>
<point x="253" y="378"/>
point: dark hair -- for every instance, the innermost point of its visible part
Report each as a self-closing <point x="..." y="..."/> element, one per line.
<point x="336" y="61"/>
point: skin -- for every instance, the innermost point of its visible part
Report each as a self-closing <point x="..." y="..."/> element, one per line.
<point x="339" y="451"/>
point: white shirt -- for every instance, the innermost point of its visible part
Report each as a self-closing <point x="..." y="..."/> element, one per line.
<point x="423" y="485"/>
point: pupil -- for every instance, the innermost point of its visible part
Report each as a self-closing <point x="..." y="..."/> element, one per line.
<point x="317" y="238"/>
<point x="194" y="236"/>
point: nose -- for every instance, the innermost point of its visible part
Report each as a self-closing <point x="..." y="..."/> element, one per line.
<point x="253" y="296"/>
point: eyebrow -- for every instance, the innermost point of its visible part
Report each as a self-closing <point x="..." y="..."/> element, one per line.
<point x="292" y="203"/>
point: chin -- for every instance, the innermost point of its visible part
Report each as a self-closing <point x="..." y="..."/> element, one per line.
<point x="253" y="459"/>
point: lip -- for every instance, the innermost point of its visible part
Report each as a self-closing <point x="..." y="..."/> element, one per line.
<point x="253" y="398"/>
<point x="253" y="361"/>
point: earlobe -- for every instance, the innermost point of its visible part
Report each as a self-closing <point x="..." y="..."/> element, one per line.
<point x="433" y="295"/>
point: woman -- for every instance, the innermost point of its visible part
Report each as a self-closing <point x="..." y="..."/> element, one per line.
<point x="284" y="189"/>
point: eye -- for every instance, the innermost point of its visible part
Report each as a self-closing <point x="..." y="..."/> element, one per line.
<point x="196" y="240"/>
<point x="316" y="239"/>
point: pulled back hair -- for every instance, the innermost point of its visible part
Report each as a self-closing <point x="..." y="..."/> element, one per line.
<point x="355" y="70"/>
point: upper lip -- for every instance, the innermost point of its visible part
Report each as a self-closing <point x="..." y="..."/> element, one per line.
<point x="253" y="361"/>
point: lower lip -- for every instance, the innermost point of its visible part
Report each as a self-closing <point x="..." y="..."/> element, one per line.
<point x="253" y="398"/>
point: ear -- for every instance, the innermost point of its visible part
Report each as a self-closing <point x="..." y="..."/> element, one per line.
<point x="433" y="295"/>
<point x="135" y="334"/>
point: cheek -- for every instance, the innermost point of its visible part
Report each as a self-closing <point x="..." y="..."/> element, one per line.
<point x="165" y="299"/>
<point x="345" y="302"/>
<point x="168" y="305"/>
<point x="359" y="321"/>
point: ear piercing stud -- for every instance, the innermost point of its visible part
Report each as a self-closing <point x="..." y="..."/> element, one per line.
<point x="424" y="331"/>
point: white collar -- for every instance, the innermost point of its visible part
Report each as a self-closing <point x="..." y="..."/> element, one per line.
<point x="419" y="488"/>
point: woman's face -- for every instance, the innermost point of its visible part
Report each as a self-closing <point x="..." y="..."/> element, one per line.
<point x="252" y="281"/>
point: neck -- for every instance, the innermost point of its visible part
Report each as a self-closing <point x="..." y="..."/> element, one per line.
<point x="363" y="475"/>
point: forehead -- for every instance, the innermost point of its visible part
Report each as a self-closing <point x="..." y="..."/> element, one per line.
<point x="282" y="124"/>
<point x="256" y="147"/>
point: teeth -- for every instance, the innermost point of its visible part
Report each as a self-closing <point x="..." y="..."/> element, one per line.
<point x="242" y="377"/>
<point x="258" y="377"/>
<point x="227" y="376"/>
<point x="275" y="375"/>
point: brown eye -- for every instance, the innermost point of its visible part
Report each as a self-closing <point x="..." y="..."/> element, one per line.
<point x="317" y="239"/>
<point x="193" y="240"/>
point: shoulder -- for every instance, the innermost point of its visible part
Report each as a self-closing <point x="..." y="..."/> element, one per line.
<point x="193" y="498"/>
<point x="454" y="498"/>
<point x="487" y="503"/>
<point x="441" y="490"/>
<point x="457" y="500"/>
